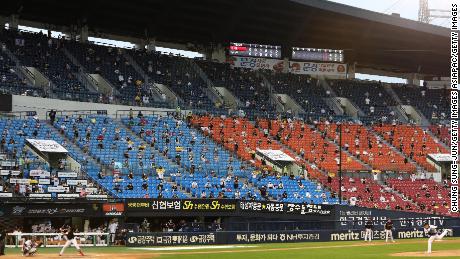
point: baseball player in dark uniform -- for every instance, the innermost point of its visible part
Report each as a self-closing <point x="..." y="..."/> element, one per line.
<point x="389" y="231"/>
<point x="70" y="240"/>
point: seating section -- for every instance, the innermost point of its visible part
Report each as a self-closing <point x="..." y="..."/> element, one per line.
<point x="295" y="189"/>
<point x="46" y="54"/>
<point x="311" y="145"/>
<point x="10" y="81"/>
<point x="303" y="89"/>
<point x="429" y="195"/>
<point x="113" y="66"/>
<point x="243" y="138"/>
<point x="367" y="193"/>
<point x="215" y="171"/>
<point x="370" y="97"/>
<point x="367" y="146"/>
<point x="14" y="134"/>
<point x="243" y="83"/>
<point x="433" y="103"/>
<point x="175" y="72"/>
<point x="442" y="132"/>
<point x="114" y="146"/>
<point x="206" y="156"/>
<point x="413" y="141"/>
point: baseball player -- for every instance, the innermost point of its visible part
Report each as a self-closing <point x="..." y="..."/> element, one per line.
<point x="69" y="236"/>
<point x="368" y="232"/>
<point x="432" y="233"/>
<point x="29" y="247"/>
<point x="389" y="231"/>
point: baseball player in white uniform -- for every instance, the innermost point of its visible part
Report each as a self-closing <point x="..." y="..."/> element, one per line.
<point x="29" y="247"/>
<point x="70" y="240"/>
<point x="368" y="232"/>
<point x="433" y="234"/>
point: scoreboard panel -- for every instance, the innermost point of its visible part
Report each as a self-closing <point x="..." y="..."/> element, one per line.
<point x="311" y="54"/>
<point x="255" y="50"/>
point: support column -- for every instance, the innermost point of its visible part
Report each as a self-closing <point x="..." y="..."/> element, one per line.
<point x="151" y="45"/>
<point x="218" y="53"/>
<point x="286" y="65"/>
<point x="84" y="33"/>
<point x="14" y="21"/>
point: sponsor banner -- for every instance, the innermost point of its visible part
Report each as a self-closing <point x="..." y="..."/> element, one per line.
<point x="39" y="173"/>
<point x="67" y="174"/>
<point x="257" y="63"/>
<point x="40" y="195"/>
<point x="258" y="237"/>
<point x="169" y="239"/>
<point x="287" y="208"/>
<point x="68" y="195"/>
<point x="226" y="207"/>
<point x="44" y="181"/>
<point x="184" y="205"/>
<point x="20" y="181"/>
<point x="8" y="163"/>
<point x="77" y="182"/>
<point x="49" y="146"/>
<point x="53" y="210"/>
<point x="276" y="155"/>
<point x="9" y="172"/>
<point x="6" y="194"/>
<point x="113" y="209"/>
<point x="314" y="68"/>
<point x="57" y="189"/>
<point x="348" y="217"/>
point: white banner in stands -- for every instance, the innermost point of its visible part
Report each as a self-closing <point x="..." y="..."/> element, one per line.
<point x="76" y="182"/>
<point x="96" y="197"/>
<point x="68" y="195"/>
<point x="276" y="155"/>
<point x="9" y="172"/>
<point x="44" y="181"/>
<point x="441" y="157"/>
<point x="313" y="68"/>
<point x="6" y="194"/>
<point x="67" y="174"/>
<point x="8" y="163"/>
<point x="39" y="173"/>
<point x="50" y="146"/>
<point x="57" y="189"/>
<point x="257" y="63"/>
<point x="89" y="190"/>
<point x="20" y="181"/>
<point x="40" y="195"/>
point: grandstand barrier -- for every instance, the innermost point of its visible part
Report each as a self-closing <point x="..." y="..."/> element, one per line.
<point x="57" y="239"/>
<point x="256" y="237"/>
<point x="340" y="217"/>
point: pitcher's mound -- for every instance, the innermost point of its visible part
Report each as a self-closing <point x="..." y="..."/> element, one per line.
<point x="433" y="254"/>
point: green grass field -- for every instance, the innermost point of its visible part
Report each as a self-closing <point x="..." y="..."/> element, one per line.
<point x="448" y="248"/>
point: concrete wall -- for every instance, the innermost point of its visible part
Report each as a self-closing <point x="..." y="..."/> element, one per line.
<point x="228" y="97"/>
<point x="102" y="84"/>
<point x="348" y="107"/>
<point x="412" y="113"/>
<point x="43" y="105"/>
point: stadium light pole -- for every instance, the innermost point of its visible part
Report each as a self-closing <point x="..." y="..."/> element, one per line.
<point x="340" y="163"/>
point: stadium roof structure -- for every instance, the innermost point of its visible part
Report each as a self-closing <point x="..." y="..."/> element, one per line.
<point x="372" y="40"/>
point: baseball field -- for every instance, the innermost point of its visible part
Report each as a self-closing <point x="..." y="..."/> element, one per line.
<point x="447" y="248"/>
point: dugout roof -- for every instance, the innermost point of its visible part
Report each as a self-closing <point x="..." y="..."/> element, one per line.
<point x="371" y="39"/>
